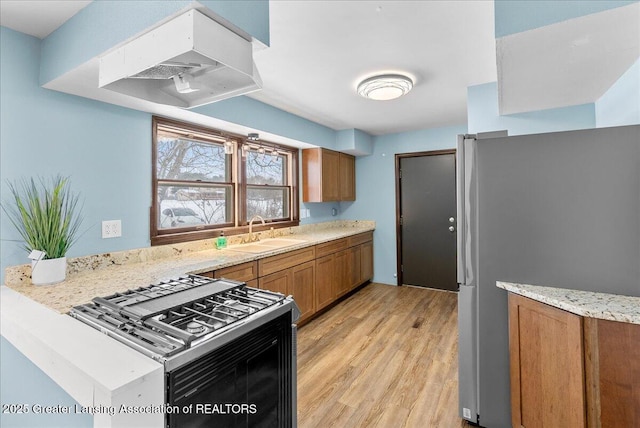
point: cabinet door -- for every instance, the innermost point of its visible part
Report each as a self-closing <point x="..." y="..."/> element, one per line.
<point x="612" y="376"/>
<point x="342" y="272"/>
<point x="242" y="272"/>
<point x="354" y="268"/>
<point x="286" y="260"/>
<point x="279" y="282"/>
<point x="347" y="177"/>
<point x="366" y="261"/>
<point x="302" y="288"/>
<point x="547" y="368"/>
<point x="330" y="175"/>
<point x="325" y="277"/>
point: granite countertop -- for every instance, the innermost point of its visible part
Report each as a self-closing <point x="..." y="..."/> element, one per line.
<point x="106" y="274"/>
<point x="604" y="306"/>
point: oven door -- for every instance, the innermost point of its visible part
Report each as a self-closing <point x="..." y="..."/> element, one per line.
<point x="247" y="382"/>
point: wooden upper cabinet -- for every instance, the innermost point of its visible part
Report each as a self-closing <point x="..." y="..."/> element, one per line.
<point x="347" y="185"/>
<point x="327" y="176"/>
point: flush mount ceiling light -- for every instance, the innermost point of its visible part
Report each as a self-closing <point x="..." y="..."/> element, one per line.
<point x="385" y="87"/>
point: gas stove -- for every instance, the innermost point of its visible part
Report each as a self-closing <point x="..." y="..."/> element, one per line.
<point x="219" y="341"/>
<point x="171" y="317"/>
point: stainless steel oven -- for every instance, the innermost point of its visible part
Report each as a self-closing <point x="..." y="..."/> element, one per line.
<point x="229" y="351"/>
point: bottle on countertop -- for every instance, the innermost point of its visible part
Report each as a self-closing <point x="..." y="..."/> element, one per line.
<point x="221" y="241"/>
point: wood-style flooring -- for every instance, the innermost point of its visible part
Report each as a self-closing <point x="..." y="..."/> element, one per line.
<point x="385" y="357"/>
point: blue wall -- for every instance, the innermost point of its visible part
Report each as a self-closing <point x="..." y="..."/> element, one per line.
<point x="620" y="105"/>
<point x="255" y="114"/>
<point x="104" y="149"/>
<point x="375" y="189"/>
<point x="24" y="383"/>
<point x="483" y="116"/>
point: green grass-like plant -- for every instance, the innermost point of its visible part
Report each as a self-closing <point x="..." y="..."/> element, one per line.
<point x="46" y="214"/>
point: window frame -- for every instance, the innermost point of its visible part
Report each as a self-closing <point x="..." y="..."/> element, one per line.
<point x="242" y="211"/>
<point x="238" y="184"/>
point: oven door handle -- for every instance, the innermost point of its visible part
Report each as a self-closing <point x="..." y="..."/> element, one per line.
<point x="193" y="391"/>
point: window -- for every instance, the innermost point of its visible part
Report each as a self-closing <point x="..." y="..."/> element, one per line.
<point x="205" y="181"/>
<point x="267" y="190"/>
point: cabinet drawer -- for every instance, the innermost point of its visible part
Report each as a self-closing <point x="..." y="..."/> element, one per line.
<point x="242" y="272"/>
<point x="331" y="247"/>
<point x="286" y="260"/>
<point x="360" y="238"/>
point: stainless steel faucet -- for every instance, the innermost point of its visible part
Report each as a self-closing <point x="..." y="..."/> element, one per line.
<point x="257" y="238"/>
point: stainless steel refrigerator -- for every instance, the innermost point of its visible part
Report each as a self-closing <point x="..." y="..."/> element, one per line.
<point x="560" y="209"/>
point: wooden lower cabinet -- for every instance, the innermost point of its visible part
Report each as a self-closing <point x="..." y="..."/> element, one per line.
<point x="325" y="277"/>
<point x="342" y="277"/>
<point x="547" y="371"/>
<point x="612" y="373"/>
<point x="571" y="371"/>
<point x="354" y="267"/>
<point x="341" y="265"/>
<point x="366" y="261"/>
<point x="242" y="272"/>
<point x="280" y="282"/>
<point x="297" y="281"/>
<point x="303" y="288"/>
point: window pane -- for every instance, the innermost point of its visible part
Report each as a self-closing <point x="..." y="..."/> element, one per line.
<point x="264" y="168"/>
<point x="182" y="159"/>
<point x="267" y="202"/>
<point x="187" y="206"/>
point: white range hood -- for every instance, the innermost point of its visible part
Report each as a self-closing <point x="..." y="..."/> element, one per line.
<point x="187" y="62"/>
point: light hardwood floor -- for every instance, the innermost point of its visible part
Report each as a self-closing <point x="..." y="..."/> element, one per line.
<point x="385" y="357"/>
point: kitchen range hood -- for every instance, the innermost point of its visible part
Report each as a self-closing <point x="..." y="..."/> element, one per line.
<point x="187" y="62"/>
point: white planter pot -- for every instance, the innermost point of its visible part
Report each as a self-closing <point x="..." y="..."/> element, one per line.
<point x="51" y="271"/>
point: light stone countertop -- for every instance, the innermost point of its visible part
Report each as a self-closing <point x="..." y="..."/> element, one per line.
<point x="106" y="274"/>
<point x="604" y="306"/>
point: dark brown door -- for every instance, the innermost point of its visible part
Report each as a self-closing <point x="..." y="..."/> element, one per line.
<point x="426" y="184"/>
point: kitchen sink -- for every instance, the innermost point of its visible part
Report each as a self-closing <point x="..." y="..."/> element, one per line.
<point x="266" y="245"/>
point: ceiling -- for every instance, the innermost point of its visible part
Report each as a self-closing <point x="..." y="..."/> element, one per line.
<point x="320" y="50"/>
<point x="38" y="18"/>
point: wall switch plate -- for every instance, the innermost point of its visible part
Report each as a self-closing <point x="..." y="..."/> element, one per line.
<point x="111" y="229"/>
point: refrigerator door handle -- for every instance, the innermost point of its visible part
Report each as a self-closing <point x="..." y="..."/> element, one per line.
<point x="460" y="179"/>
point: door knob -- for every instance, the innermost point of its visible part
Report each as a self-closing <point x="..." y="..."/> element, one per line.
<point x="452" y="229"/>
<point x="452" y="220"/>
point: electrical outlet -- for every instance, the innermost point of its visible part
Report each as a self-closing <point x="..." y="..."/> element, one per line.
<point x="111" y="229"/>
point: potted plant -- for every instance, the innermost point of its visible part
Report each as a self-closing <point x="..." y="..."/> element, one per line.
<point x="46" y="214"/>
